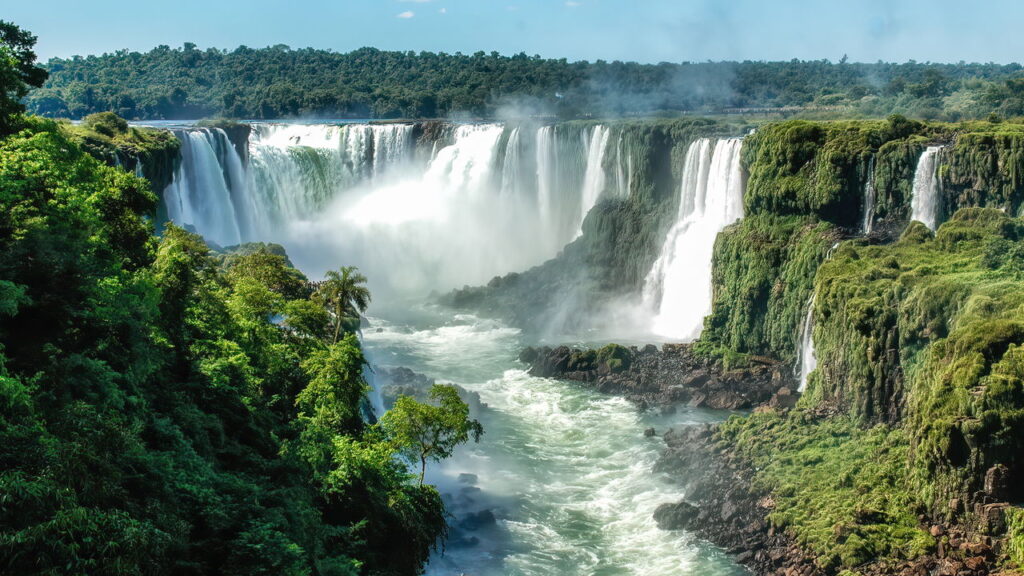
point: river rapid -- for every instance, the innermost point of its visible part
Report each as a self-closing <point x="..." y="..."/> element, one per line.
<point x="565" y="471"/>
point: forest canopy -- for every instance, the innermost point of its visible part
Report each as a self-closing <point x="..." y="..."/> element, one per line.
<point x="279" y="82"/>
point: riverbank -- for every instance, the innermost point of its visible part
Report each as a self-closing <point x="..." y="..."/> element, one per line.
<point x="788" y="491"/>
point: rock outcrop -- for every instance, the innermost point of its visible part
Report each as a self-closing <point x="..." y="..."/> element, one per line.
<point x="657" y="377"/>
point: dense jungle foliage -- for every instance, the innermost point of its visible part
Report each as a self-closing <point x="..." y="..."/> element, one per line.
<point x="165" y="409"/>
<point x="278" y="82"/>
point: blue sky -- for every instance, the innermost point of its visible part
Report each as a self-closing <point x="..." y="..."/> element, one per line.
<point x="641" y="30"/>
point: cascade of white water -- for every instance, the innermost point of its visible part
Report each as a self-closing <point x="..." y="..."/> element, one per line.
<point x="623" y="169"/>
<point x="869" y="197"/>
<point x="678" y="286"/>
<point x="200" y="195"/>
<point x="594" y="177"/>
<point x="546" y="170"/>
<point x="392" y="146"/>
<point x="510" y="180"/>
<point x="924" y="204"/>
<point x="486" y="200"/>
<point x="808" y="360"/>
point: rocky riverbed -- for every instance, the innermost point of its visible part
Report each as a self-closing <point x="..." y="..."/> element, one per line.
<point x="670" y="375"/>
<point x="722" y="504"/>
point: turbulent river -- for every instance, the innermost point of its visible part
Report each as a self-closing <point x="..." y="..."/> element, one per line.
<point x="561" y="482"/>
<point x="567" y="472"/>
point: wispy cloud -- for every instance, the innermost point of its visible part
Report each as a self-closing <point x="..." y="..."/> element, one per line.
<point x="512" y="8"/>
<point x="573" y="4"/>
<point x="406" y="14"/>
<point x="443" y="11"/>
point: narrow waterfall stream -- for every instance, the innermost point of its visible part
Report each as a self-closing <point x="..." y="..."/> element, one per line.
<point x="561" y="482"/>
<point x="927" y="195"/>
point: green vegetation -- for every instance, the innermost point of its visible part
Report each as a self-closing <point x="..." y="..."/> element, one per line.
<point x="1015" y="530"/>
<point x="431" y="432"/>
<point x="918" y="339"/>
<point x="18" y="73"/>
<point x="951" y="310"/>
<point x="344" y="294"/>
<point x="277" y="82"/>
<point x="763" y="270"/>
<point x="842" y="510"/>
<point x="168" y="410"/>
<point x="108" y="137"/>
<point x="919" y="345"/>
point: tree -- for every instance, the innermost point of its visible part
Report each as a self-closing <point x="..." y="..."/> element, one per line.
<point x="18" y="72"/>
<point x="343" y="294"/>
<point x="429" y="431"/>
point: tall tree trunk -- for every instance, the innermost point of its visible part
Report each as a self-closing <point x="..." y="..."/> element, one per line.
<point x="337" y="323"/>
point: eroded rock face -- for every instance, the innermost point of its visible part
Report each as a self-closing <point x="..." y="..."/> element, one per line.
<point x="673" y="374"/>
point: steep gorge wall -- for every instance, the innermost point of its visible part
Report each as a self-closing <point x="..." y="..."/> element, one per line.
<point x="806" y="192"/>
<point x="621" y="235"/>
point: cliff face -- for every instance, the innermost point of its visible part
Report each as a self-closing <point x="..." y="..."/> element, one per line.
<point x="621" y="235"/>
<point x="916" y="334"/>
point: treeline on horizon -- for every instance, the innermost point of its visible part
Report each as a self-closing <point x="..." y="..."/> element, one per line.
<point x="280" y="82"/>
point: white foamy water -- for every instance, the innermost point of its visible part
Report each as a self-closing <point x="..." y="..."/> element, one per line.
<point x="486" y="200"/>
<point x="869" y="198"/>
<point x="678" y="287"/>
<point x="808" y="361"/>
<point x="927" y="194"/>
<point x="566" y="471"/>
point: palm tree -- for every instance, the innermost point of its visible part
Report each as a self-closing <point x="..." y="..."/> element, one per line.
<point x="344" y="295"/>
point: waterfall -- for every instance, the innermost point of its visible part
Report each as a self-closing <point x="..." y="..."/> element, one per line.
<point x="510" y="177"/>
<point x="805" y="353"/>
<point x="392" y="146"/>
<point x="200" y="195"/>
<point x="678" y="286"/>
<point x="869" y="197"/>
<point x="546" y="170"/>
<point x="924" y="203"/>
<point x="484" y="200"/>
<point x="594" y="177"/>
<point x="623" y="170"/>
<point x="808" y="360"/>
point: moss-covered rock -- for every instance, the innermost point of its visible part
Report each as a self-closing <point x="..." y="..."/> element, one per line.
<point x="110" y="139"/>
<point x="763" y="270"/>
<point x="929" y="332"/>
<point x="842" y="491"/>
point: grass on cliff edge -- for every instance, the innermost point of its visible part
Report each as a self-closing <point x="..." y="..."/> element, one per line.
<point x="840" y="490"/>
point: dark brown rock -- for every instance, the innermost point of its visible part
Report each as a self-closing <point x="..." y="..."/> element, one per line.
<point x="679" y="516"/>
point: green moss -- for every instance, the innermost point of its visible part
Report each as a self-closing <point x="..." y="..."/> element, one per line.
<point x="615" y="356"/>
<point x="841" y="491"/>
<point x="1015" y="535"/>
<point x="763" y="270"/>
<point x="111" y="140"/>
<point x="929" y="331"/>
<point x="821" y="168"/>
